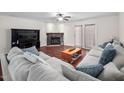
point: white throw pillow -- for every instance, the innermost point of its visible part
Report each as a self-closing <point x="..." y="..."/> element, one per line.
<point x="119" y="58"/>
<point x="14" y="52"/>
<point x="122" y="69"/>
<point x="111" y="73"/>
<point x="75" y="75"/>
<point x="44" y="72"/>
<point x="34" y="58"/>
<point x="119" y="49"/>
<point x="30" y="57"/>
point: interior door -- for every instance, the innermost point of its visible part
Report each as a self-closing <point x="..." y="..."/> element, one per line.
<point x="78" y="36"/>
<point x="89" y="35"/>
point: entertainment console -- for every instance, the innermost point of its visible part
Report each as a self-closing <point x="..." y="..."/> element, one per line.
<point x="24" y="38"/>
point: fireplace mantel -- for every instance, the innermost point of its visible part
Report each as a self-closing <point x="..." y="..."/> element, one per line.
<point x="55" y="38"/>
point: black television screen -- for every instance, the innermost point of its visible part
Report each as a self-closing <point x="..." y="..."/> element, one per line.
<point x="24" y="38"/>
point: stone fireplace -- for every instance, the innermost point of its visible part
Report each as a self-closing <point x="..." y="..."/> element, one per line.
<point x="55" y="39"/>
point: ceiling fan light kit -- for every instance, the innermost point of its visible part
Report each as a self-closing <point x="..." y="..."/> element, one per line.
<point x="62" y="17"/>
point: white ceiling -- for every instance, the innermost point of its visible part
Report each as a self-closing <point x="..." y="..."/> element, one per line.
<point x="51" y="16"/>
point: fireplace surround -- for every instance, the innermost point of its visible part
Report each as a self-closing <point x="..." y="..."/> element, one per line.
<point x="55" y="39"/>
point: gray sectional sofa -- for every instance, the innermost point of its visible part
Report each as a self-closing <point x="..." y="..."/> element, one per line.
<point x="20" y="68"/>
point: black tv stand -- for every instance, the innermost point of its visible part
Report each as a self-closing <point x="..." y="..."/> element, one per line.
<point x="24" y="38"/>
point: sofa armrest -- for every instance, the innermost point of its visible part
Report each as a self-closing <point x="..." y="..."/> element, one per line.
<point x="44" y="56"/>
<point x="5" y="71"/>
<point x="75" y="75"/>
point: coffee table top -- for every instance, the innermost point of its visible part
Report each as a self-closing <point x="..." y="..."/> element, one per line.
<point x="67" y="51"/>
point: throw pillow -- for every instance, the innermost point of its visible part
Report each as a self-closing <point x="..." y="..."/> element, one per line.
<point x="111" y="73"/>
<point x="119" y="60"/>
<point x="34" y="58"/>
<point x="122" y="69"/>
<point x="32" y="50"/>
<point x="108" y="55"/>
<point x="93" y="70"/>
<point x="30" y="57"/>
<point x="14" y="52"/>
<point x="75" y="75"/>
<point x="104" y="44"/>
<point x="119" y="49"/>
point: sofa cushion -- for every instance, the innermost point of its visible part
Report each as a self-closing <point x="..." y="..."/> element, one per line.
<point x="96" y="51"/>
<point x="111" y="73"/>
<point x="32" y="50"/>
<point x="43" y="72"/>
<point x="108" y="55"/>
<point x="75" y="75"/>
<point x="14" y="52"/>
<point x="89" y="60"/>
<point x="92" y="57"/>
<point x="56" y="64"/>
<point x="93" y="70"/>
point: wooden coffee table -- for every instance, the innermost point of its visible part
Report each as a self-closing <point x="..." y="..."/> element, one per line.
<point x="71" y="55"/>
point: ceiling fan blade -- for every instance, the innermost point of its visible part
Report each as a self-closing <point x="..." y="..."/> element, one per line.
<point x="67" y="16"/>
<point x="66" y="19"/>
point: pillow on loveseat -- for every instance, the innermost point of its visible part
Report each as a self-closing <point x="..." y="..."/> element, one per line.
<point x="119" y="58"/>
<point x="93" y="70"/>
<point x="108" y="54"/>
<point x="111" y="73"/>
<point x="32" y="50"/>
<point x="105" y="43"/>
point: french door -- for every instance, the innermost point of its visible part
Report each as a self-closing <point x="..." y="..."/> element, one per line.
<point x="89" y="35"/>
<point x="85" y="36"/>
<point x="78" y="35"/>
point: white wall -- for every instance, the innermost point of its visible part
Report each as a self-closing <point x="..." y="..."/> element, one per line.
<point x="121" y="27"/>
<point x="6" y="23"/>
<point x="55" y="27"/>
<point x="106" y="28"/>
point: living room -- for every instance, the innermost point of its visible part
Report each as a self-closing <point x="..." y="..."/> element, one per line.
<point x="61" y="46"/>
<point x="77" y="32"/>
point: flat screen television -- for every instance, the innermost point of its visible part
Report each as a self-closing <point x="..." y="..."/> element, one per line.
<point x="24" y="38"/>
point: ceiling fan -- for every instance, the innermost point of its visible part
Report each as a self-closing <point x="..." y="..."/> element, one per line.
<point x="62" y="17"/>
